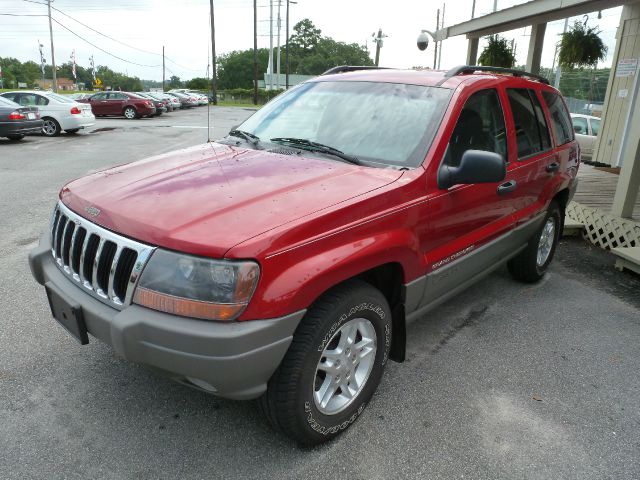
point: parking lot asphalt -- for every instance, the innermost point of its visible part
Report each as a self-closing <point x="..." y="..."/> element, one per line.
<point x="504" y="381"/>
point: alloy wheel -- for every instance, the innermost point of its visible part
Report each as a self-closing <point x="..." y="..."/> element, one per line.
<point x="345" y="366"/>
<point x="547" y="237"/>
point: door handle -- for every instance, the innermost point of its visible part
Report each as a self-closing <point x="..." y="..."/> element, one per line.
<point x="553" y="167"/>
<point x="507" y="187"/>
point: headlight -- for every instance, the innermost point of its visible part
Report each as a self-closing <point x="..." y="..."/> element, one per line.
<point x="196" y="287"/>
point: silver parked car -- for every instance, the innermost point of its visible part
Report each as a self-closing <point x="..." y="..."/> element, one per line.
<point x="58" y="112"/>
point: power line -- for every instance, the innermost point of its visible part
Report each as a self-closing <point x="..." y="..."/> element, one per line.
<point x="111" y="38"/>
<point x="103" y="50"/>
<point x="21" y="15"/>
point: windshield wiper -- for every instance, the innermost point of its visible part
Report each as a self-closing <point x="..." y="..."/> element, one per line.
<point x="317" y="147"/>
<point x="249" y="137"/>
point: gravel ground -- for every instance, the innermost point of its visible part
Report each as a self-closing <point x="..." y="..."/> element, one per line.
<point x="505" y="381"/>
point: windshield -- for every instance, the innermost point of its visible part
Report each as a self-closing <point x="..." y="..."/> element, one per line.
<point x="386" y="123"/>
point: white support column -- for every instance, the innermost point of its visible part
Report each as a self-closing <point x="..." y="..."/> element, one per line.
<point x="619" y="96"/>
<point x="472" y="51"/>
<point x="629" y="180"/>
<point x="536" y="42"/>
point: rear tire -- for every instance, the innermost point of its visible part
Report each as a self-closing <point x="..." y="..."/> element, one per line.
<point x="531" y="264"/>
<point x="50" y="127"/>
<point x="130" y="113"/>
<point x="333" y="366"/>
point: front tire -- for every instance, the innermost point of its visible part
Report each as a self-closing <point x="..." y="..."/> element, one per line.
<point x="531" y="264"/>
<point x="50" y="127"/>
<point x="130" y="113"/>
<point x="333" y="366"/>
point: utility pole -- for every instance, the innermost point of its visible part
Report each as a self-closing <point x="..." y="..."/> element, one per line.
<point x="378" y="39"/>
<point x="435" y="52"/>
<point x="255" y="52"/>
<point x="473" y="9"/>
<point x="495" y="5"/>
<point x="287" y="51"/>
<point x="270" y="45"/>
<point x="286" y="55"/>
<point x="53" y="58"/>
<point x="163" y="76"/>
<point x="278" y="60"/>
<point x="440" y="49"/>
<point x="214" y="93"/>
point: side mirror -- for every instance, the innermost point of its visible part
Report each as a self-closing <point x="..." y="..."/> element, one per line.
<point x="476" y="166"/>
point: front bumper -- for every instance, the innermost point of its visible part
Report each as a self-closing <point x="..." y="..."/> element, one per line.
<point x="232" y="360"/>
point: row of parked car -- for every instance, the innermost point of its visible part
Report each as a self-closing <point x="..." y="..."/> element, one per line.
<point x="25" y="112"/>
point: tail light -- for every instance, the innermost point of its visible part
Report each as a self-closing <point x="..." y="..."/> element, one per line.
<point x="75" y="111"/>
<point x="16" y="116"/>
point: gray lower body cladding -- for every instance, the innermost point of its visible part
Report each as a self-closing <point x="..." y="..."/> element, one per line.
<point x="232" y="360"/>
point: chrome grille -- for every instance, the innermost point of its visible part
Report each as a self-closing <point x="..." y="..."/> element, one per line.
<point x="104" y="264"/>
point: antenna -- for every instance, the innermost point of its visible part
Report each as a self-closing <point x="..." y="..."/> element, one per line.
<point x="208" y="112"/>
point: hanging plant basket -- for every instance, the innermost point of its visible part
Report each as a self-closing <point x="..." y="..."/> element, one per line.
<point x="497" y="54"/>
<point x="581" y="47"/>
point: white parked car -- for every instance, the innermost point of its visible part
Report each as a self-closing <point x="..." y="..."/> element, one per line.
<point x="586" y="128"/>
<point x="58" y="112"/>
<point x="200" y="98"/>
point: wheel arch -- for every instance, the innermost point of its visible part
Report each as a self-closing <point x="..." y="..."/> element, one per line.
<point x="389" y="280"/>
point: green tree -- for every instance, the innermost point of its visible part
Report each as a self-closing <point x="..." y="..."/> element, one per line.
<point x="198" y="83"/>
<point x="305" y="36"/>
<point x="235" y="69"/>
<point x="497" y="53"/>
<point x="174" y="82"/>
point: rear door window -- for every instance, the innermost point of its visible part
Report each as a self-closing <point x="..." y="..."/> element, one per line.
<point x="560" y="120"/>
<point x="532" y="135"/>
<point x="595" y="126"/>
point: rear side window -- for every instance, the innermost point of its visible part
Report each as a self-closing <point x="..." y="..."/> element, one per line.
<point x="560" y="121"/>
<point x="595" y="126"/>
<point x="532" y="134"/>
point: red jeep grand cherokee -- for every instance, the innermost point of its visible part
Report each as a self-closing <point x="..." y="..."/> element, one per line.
<point x="284" y="261"/>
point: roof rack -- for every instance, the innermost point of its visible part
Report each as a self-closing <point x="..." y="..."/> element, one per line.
<point x="462" y="69"/>
<point x="351" y="68"/>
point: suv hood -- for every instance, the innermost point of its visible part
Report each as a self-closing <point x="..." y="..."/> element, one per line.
<point x="206" y="199"/>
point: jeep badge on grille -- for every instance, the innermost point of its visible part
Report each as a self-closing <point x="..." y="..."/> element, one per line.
<point x="93" y="211"/>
